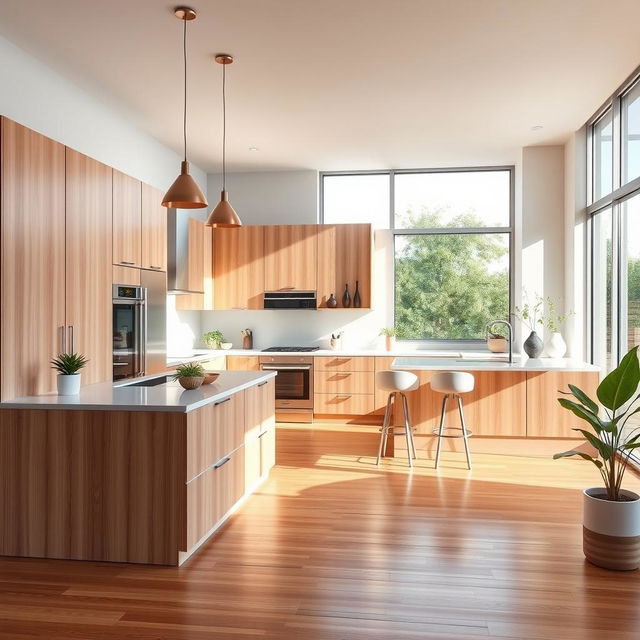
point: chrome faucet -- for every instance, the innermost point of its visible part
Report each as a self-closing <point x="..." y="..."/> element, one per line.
<point x="508" y="325"/>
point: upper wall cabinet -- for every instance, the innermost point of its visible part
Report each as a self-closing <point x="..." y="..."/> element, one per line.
<point x="290" y="257"/>
<point x="344" y="257"/>
<point x="127" y="219"/>
<point x="238" y="268"/>
<point x="154" y="230"/>
<point x="199" y="269"/>
<point x="88" y="264"/>
<point x="33" y="259"/>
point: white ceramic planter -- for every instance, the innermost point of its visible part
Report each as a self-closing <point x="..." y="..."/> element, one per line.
<point x="611" y="531"/>
<point x="498" y="345"/>
<point x="69" y="385"/>
<point x="390" y="342"/>
<point x="556" y="347"/>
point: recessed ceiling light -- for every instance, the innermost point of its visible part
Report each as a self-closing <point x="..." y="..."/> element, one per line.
<point x="537" y="127"/>
<point x="254" y="149"/>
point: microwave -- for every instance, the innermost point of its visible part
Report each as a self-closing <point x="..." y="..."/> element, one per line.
<point x="290" y="299"/>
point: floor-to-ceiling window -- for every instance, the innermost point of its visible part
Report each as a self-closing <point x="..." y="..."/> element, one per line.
<point x="453" y="237"/>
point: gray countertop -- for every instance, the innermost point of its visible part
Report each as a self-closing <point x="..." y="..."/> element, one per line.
<point x="168" y="397"/>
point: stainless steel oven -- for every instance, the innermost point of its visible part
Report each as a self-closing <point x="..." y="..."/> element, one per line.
<point x="129" y="328"/>
<point x="294" y="386"/>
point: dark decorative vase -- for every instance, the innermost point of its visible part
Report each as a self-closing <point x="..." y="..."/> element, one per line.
<point x="357" y="300"/>
<point x="346" y="297"/>
<point x="533" y="345"/>
<point x="332" y="303"/>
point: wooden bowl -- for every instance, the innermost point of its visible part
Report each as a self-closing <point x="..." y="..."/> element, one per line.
<point x="210" y="377"/>
<point x="191" y="382"/>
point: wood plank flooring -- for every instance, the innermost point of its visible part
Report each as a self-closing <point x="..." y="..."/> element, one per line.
<point x="331" y="548"/>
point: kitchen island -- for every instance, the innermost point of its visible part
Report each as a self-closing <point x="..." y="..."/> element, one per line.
<point x="130" y="473"/>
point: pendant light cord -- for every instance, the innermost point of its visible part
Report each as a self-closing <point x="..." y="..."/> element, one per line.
<point x="184" y="111"/>
<point x="224" y="128"/>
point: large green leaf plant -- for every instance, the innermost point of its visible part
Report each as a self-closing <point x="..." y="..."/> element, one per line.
<point x="618" y="394"/>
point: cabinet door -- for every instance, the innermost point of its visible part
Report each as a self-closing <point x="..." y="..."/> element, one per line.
<point x="260" y="409"/>
<point x="199" y="269"/>
<point x="545" y="417"/>
<point x="126" y="275"/>
<point x="154" y="230"/>
<point x="344" y="257"/>
<point x="89" y="264"/>
<point x="127" y="220"/>
<point x="33" y="259"/>
<point x="267" y="451"/>
<point x="290" y="257"/>
<point x="243" y="363"/>
<point x="238" y="268"/>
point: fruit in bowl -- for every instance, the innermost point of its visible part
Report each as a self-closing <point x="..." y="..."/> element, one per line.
<point x="226" y="345"/>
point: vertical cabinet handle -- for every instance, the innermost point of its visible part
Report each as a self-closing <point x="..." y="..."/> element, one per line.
<point x="63" y="339"/>
<point x="72" y="339"/>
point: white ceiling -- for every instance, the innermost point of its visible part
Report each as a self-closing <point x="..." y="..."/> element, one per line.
<point x="347" y="84"/>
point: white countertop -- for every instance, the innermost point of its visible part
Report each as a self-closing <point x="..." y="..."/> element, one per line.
<point x="468" y="364"/>
<point x="169" y="397"/>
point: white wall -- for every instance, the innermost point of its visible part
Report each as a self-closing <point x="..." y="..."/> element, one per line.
<point x="543" y="204"/>
<point x="270" y="197"/>
<point x="37" y="97"/>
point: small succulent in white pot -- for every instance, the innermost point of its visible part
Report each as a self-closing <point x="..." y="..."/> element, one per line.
<point x="68" y="366"/>
<point x="190" y="376"/>
<point x="611" y="518"/>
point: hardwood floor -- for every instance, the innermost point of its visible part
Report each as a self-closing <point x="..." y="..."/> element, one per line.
<point x="331" y="548"/>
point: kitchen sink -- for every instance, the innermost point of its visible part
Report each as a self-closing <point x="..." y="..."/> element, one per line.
<point x="151" y="382"/>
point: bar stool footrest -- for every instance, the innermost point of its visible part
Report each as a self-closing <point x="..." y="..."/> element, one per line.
<point x="436" y="432"/>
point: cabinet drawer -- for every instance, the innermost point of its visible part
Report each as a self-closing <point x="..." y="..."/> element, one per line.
<point x="201" y="506"/>
<point x="340" y="363"/>
<point x="252" y="464"/>
<point x="243" y="363"/>
<point x="267" y="451"/>
<point x="346" y="403"/>
<point x="344" y="382"/>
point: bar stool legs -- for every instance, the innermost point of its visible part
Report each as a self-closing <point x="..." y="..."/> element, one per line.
<point x="464" y="432"/>
<point x="388" y="427"/>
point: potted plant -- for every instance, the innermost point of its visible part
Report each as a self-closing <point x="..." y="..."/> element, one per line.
<point x="529" y="314"/>
<point x="611" y="514"/>
<point x="555" y="346"/>
<point x="68" y="366"/>
<point x="497" y="343"/>
<point x="213" y="339"/>
<point x="190" y="376"/>
<point x="389" y="334"/>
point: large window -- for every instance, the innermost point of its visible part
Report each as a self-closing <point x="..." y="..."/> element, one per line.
<point x="452" y="232"/>
<point x="614" y="210"/>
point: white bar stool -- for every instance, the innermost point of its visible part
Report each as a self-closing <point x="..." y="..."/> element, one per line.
<point x="452" y="384"/>
<point x="396" y="383"/>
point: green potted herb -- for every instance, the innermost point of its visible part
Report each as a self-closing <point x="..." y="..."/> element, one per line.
<point x="497" y="343"/>
<point x="611" y="514"/>
<point x="213" y="339"/>
<point x="553" y="320"/>
<point x="389" y="334"/>
<point x="68" y="366"/>
<point x="190" y="376"/>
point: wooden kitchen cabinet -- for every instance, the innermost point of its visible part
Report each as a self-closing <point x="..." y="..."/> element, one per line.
<point x="200" y="276"/>
<point x="344" y="385"/>
<point x="238" y="268"/>
<point x="344" y="257"/>
<point x="260" y="409"/>
<point x="127" y="220"/>
<point x="291" y="257"/>
<point x="33" y="259"/>
<point x="89" y="264"/>
<point x="267" y="450"/>
<point x="153" y="230"/>
<point x="243" y="363"/>
<point x="545" y="417"/>
<point x="126" y="275"/>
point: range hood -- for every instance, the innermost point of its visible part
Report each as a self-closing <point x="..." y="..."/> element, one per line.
<point x="178" y="252"/>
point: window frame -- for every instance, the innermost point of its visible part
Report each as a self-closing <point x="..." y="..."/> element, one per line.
<point x="509" y="230"/>
<point x="619" y="194"/>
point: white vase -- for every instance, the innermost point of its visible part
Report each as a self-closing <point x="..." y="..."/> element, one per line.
<point x="611" y="531"/>
<point x="556" y="347"/>
<point x="69" y="385"/>
<point x="390" y="342"/>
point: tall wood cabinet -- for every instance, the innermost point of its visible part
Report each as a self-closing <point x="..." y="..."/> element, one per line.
<point x="344" y="257"/>
<point x="290" y="257"/>
<point x="200" y="265"/>
<point x="238" y="268"/>
<point x="153" y="230"/>
<point x="127" y="220"/>
<point x="33" y="259"/>
<point x="88" y="263"/>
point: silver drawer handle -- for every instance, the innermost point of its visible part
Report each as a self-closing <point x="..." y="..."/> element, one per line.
<point x="153" y="266"/>
<point x="215" y="404"/>
<point x="221" y="463"/>
<point x="125" y="262"/>
<point x="262" y="383"/>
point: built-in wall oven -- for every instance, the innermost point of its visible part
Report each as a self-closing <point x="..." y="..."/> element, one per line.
<point x="294" y="386"/>
<point x="129" y="323"/>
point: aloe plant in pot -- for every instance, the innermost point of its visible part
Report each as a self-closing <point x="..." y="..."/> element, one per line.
<point x="611" y="515"/>
<point x="190" y="375"/>
<point x="68" y="366"/>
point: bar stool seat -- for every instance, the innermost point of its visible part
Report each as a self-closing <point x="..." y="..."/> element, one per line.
<point x="452" y="384"/>
<point x="396" y="383"/>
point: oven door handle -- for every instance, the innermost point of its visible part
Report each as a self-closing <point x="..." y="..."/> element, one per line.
<point x="282" y="367"/>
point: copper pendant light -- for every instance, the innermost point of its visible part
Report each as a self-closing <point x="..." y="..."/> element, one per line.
<point x="184" y="193"/>
<point x="224" y="215"/>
